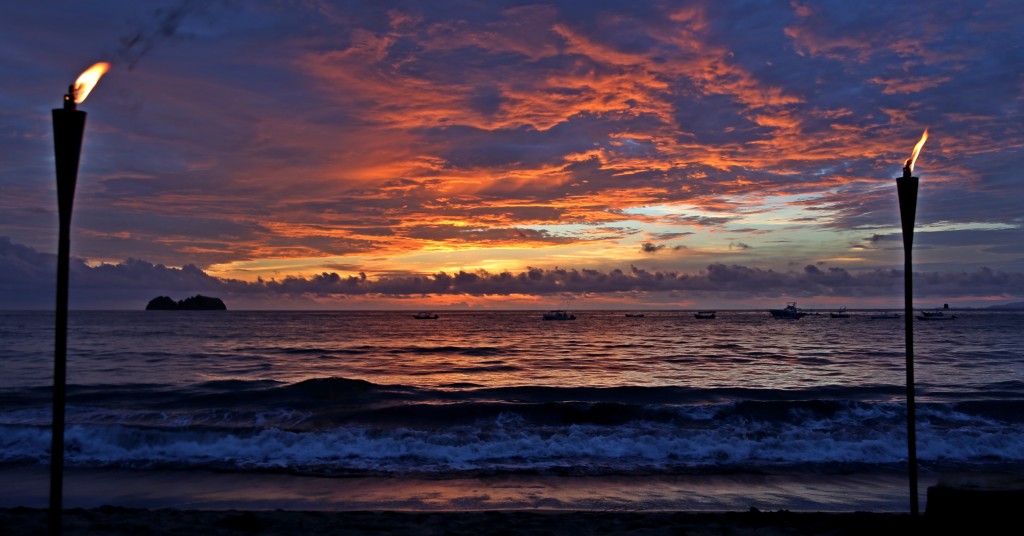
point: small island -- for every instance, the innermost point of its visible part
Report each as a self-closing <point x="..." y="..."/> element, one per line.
<point x="195" y="303"/>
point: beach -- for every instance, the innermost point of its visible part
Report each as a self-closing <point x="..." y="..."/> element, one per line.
<point x="161" y="504"/>
<point x="977" y="504"/>
<point x="123" y="502"/>
<point x="116" y="521"/>
<point x="234" y="490"/>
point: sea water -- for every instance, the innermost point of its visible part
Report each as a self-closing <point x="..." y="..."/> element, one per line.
<point x="656" y="411"/>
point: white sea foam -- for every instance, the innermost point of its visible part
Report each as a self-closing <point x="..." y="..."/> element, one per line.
<point x="585" y="448"/>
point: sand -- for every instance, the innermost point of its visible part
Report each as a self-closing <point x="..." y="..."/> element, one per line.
<point x="116" y="521"/>
<point x="209" y="490"/>
<point x="968" y="504"/>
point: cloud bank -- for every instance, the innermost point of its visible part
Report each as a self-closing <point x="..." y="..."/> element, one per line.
<point x="131" y="283"/>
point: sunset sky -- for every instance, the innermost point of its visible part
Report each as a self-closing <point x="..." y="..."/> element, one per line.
<point x="508" y="155"/>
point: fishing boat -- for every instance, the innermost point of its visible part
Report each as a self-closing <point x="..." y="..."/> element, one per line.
<point x="704" y="315"/>
<point x="634" y="315"/>
<point x="789" y="312"/>
<point x="425" y="316"/>
<point x="885" y="316"/>
<point x="935" y="315"/>
<point x="841" y="313"/>
<point x="559" y="315"/>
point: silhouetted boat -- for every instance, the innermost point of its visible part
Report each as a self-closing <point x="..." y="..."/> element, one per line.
<point x="426" y="316"/>
<point x="789" y="312"/>
<point x="558" y="315"/>
<point x="934" y="315"/>
<point x="635" y="315"/>
<point x="840" y="313"/>
<point x="885" y="316"/>
<point x="704" y="315"/>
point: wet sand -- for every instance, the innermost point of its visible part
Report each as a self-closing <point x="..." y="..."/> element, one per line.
<point x="160" y="503"/>
<point x="207" y="490"/>
<point x="114" y="521"/>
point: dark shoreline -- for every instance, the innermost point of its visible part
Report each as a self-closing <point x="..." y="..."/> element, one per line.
<point x="980" y="506"/>
<point x="117" y="521"/>
<point x="207" y="490"/>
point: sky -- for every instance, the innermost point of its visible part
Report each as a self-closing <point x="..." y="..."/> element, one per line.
<point x="315" y="154"/>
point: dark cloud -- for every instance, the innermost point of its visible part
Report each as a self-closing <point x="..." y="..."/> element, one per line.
<point x="133" y="282"/>
<point x="28" y="276"/>
<point x="716" y="120"/>
<point x="670" y="236"/>
<point x="648" y="247"/>
<point x="701" y="220"/>
<point x="651" y="248"/>
<point x="462" y="234"/>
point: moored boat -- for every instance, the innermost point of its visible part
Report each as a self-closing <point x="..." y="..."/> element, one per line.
<point x="559" y="315"/>
<point x="935" y="315"/>
<point x="885" y="316"/>
<point x="426" y="316"/>
<point x="789" y="312"/>
<point x="841" y="313"/>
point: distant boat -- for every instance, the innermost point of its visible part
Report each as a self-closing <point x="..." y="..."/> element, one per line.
<point x="841" y="313"/>
<point x="635" y="315"/>
<point x="704" y="315"/>
<point x="558" y="315"/>
<point x="935" y="315"/>
<point x="789" y="312"/>
<point x="885" y="316"/>
<point x="426" y="316"/>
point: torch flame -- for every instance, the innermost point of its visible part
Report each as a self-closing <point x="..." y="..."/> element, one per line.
<point x="88" y="80"/>
<point x="917" y="150"/>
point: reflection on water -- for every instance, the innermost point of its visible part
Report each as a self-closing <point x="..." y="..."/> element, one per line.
<point x="473" y="395"/>
<point x="493" y="349"/>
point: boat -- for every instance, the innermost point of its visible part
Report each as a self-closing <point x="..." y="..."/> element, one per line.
<point x="426" y="316"/>
<point x="635" y="315"/>
<point x="885" y="316"/>
<point x="935" y="315"/>
<point x="704" y="315"/>
<point x="558" y="315"/>
<point x="841" y="313"/>
<point x="789" y="312"/>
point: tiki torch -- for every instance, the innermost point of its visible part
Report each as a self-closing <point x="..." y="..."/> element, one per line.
<point x="906" y="188"/>
<point x="68" y="127"/>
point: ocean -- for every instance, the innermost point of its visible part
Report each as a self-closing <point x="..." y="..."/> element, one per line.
<point x="480" y="410"/>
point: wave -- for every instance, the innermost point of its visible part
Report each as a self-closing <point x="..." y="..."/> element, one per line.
<point x="471" y="351"/>
<point x="336" y="388"/>
<point x="339" y="426"/>
<point x="346" y="397"/>
<point x="509" y="443"/>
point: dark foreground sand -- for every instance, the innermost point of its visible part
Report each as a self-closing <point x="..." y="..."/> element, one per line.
<point x="118" y="521"/>
<point x="970" y="504"/>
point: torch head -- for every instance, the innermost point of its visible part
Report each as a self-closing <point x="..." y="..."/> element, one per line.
<point x="69" y="98"/>
<point x="906" y="189"/>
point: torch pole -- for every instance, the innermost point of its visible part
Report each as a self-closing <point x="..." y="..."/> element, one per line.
<point x="68" y="127"/>
<point x="906" y="187"/>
